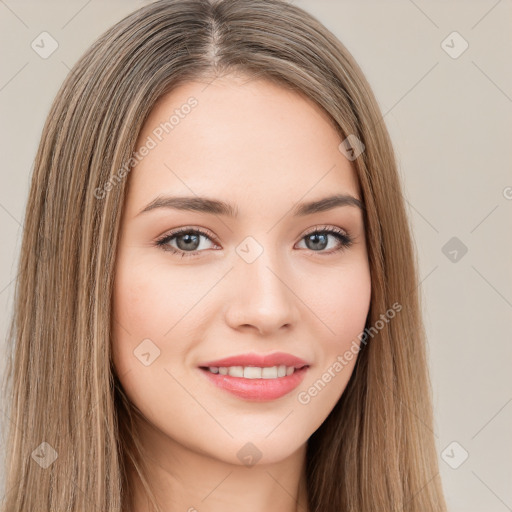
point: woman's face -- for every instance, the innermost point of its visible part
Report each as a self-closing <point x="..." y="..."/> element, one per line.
<point x="255" y="281"/>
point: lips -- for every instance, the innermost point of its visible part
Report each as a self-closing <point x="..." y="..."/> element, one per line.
<point x="261" y="360"/>
<point x="252" y="388"/>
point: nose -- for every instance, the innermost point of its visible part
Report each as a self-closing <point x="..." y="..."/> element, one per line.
<point x="263" y="297"/>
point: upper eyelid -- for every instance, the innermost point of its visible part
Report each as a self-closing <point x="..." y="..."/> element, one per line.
<point x="326" y="227"/>
<point x="206" y="232"/>
<point x="187" y="229"/>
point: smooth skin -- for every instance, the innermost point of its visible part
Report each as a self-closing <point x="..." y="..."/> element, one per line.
<point x="262" y="148"/>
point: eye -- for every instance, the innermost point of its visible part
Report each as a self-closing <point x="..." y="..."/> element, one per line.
<point x="188" y="240"/>
<point x="318" y="239"/>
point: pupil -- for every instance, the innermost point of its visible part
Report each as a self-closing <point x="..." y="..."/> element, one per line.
<point x="189" y="239"/>
<point x="314" y="237"/>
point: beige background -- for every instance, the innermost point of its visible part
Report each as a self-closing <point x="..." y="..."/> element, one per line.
<point x="450" y="121"/>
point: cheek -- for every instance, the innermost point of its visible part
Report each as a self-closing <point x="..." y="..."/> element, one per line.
<point x="145" y="340"/>
<point x="343" y="308"/>
<point x="141" y="311"/>
<point x="136" y="308"/>
<point x="341" y="300"/>
<point x="151" y="302"/>
<point x="148" y="299"/>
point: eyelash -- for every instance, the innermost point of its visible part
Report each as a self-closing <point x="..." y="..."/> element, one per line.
<point x="342" y="236"/>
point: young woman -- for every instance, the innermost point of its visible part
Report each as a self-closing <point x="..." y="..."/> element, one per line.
<point x="217" y="303"/>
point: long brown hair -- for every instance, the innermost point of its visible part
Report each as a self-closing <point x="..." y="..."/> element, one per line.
<point x="376" y="449"/>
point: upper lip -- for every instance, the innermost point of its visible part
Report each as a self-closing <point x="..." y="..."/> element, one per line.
<point x="261" y="360"/>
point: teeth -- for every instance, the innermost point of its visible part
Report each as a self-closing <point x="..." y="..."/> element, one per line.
<point x="236" y="371"/>
<point x="254" y="372"/>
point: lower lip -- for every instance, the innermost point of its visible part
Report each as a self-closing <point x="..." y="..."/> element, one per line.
<point x="259" y="390"/>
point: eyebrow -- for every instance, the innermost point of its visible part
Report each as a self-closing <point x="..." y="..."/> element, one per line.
<point x="217" y="207"/>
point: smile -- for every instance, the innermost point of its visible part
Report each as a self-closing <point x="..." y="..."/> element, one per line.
<point x="256" y="383"/>
<point x="254" y="372"/>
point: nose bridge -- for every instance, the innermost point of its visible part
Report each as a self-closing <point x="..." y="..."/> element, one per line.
<point x="263" y="296"/>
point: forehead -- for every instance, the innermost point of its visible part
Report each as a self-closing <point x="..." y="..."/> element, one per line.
<point x="244" y="141"/>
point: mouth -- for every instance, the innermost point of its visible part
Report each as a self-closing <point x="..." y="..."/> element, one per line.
<point x="255" y="383"/>
<point x="254" y="372"/>
<point x="281" y="360"/>
<point x="256" y="377"/>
